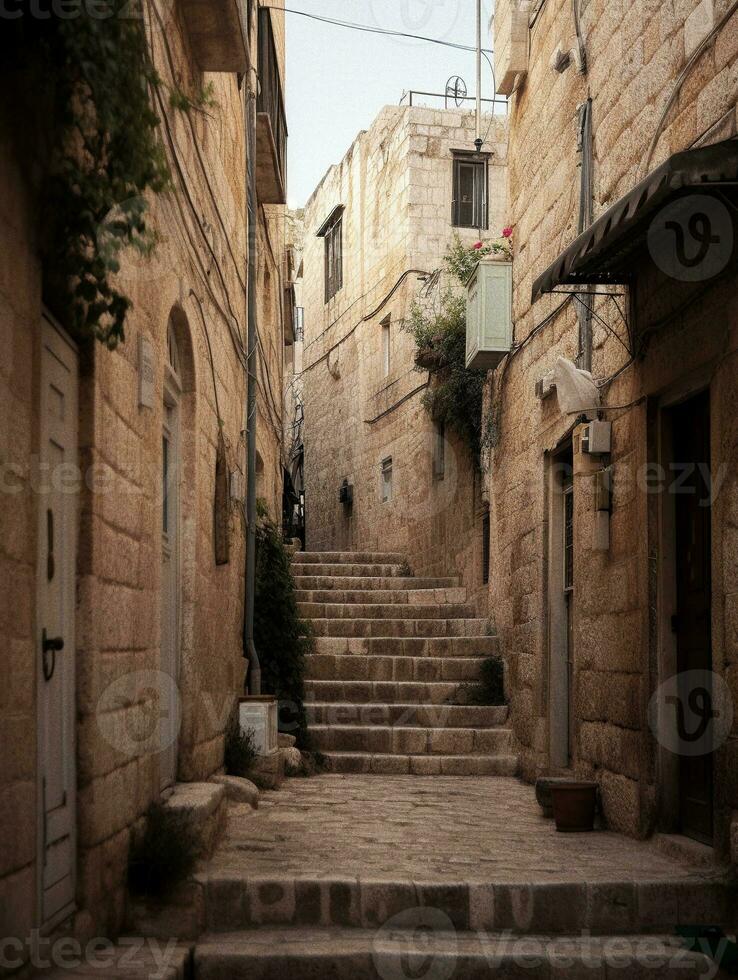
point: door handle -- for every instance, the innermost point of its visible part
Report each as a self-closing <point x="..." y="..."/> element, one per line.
<point x="50" y="645"/>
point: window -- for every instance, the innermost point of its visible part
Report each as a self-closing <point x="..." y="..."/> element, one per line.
<point x="386" y="346"/>
<point x="387" y="479"/>
<point x="439" y="451"/>
<point x="332" y="232"/>
<point x="470" y="208"/>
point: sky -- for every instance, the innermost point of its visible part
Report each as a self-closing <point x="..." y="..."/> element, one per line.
<point x="339" y="79"/>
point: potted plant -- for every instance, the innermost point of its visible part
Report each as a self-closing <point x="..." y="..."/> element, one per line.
<point x="574" y="804"/>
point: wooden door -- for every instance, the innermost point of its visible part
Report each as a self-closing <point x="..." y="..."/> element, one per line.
<point x="57" y="538"/>
<point x="692" y="621"/>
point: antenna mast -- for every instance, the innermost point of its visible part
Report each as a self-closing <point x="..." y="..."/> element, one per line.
<point x="479" y="141"/>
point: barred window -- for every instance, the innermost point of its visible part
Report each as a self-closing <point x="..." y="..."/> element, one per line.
<point x="470" y="206"/>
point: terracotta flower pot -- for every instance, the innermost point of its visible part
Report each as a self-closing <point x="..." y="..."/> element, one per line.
<point x="543" y="792"/>
<point x="574" y="805"/>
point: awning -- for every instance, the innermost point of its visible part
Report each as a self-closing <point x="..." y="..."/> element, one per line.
<point x="604" y="252"/>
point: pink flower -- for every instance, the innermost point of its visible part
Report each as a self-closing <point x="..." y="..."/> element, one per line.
<point x="507" y="232"/>
<point x="479" y="245"/>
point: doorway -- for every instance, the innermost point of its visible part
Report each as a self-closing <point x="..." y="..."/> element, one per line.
<point x="690" y="486"/>
<point x="561" y="607"/>
<point x="170" y="564"/>
<point x="55" y="626"/>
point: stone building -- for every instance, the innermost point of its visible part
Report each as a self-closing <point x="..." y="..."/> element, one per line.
<point x="123" y="477"/>
<point x="376" y="228"/>
<point x="614" y="571"/>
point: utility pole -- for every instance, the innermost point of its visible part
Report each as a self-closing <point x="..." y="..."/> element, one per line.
<point x="479" y="141"/>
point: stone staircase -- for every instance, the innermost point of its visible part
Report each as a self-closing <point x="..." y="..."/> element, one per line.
<point x="419" y="873"/>
<point x="393" y="657"/>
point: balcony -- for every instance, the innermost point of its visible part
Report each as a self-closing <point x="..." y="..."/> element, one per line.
<point x="271" y="123"/>
<point x="218" y="34"/>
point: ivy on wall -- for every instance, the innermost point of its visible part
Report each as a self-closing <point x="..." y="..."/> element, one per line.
<point x="87" y="80"/>
<point x="455" y="394"/>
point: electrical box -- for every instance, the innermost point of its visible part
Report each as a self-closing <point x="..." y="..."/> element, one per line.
<point x="509" y="25"/>
<point x="488" y="314"/>
<point x="597" y="438"/>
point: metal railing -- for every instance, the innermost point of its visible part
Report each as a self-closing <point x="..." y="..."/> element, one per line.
<point x="411" y="98"/>
<point x="270" y="99"/>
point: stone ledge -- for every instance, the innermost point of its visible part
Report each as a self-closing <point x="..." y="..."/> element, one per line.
<point x="238" y="789"/>
<point x="204" y="806"/>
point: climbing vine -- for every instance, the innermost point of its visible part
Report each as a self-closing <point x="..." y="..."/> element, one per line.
<point x="91" y="76"/>
<point x="438" y="326"/>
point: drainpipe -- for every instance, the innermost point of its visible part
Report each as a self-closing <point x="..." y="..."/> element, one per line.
<point x="253" y="679"/>
<point x="586" y="209"/>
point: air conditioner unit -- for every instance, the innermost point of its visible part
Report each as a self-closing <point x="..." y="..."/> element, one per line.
<point x="488" y="314"/>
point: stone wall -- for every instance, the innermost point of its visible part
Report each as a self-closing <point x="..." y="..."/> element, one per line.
<point x="635" y="51"/>
<point x="395" y="183"/>
<point x="195" y="282"/>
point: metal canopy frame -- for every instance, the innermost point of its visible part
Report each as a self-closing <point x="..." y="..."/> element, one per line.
<point x="603" y="253"/>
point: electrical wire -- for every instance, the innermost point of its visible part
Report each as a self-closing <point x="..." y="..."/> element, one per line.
<point x="696" y="54"/>
<point x="210" y="354"/>
<point x="236" y="338"/>
<point x="368" y="316"/>
<point x="196" y="143"/>
<point x="401" y="401"/>
<point x="368" y="29"/>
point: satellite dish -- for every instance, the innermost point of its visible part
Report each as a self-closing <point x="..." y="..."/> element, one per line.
<point x="456" y="90"/>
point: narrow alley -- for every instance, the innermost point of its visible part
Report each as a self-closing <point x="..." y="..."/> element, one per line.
<point x="369" y="489"/>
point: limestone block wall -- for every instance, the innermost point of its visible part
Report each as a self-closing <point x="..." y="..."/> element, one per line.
<point x="635" y="51"/>
<point x="195" y="282"/>
<point x="395" y="184"/>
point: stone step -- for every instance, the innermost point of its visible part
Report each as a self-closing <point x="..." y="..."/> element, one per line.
<point x="130" y="958"/>
<point x="395" y="597"/>
<point x="424" y="667"/>
<point x="348" y="558"/>
<point x="441" y="716"/>
<point x="392" y="764"/>
<point x="387" y="611"/>
<point x="412" y="740"/>
<point x="359" y="628"/>
<point x="357" y="570"/>
<point x="617" y="904"/>
<point x="425" y="944"/>
<point x="369" y="693"/>
<point x="407" y="646"/>
<point x="314" y="580"/>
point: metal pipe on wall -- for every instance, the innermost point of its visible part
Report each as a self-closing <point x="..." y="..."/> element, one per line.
<point x="253" y="678"/>
<point x="478" y="142"/>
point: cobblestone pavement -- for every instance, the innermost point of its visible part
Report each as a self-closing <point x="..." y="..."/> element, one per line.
<point x="426" y="828"/>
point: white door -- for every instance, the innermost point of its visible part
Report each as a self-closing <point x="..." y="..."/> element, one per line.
<point x="57" y="537"/>
<point x="170" y="577"/>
